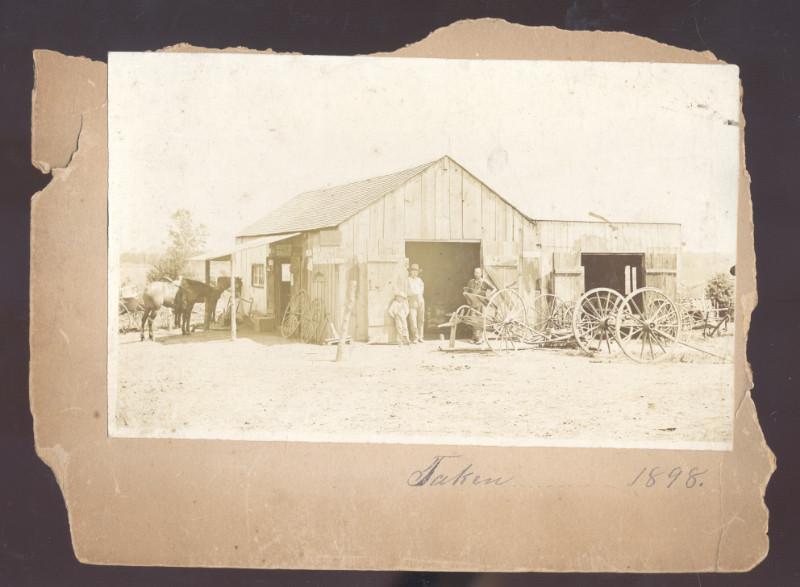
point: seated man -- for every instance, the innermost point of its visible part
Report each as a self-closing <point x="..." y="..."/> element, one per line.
<point x="398" y="312"/>
<point x="477" y="286"/>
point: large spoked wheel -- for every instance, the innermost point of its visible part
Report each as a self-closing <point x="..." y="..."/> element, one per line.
<point x="594" y="320"/>
<point x="309" y="321"/>
<point x="504" y="321"/>
<point x="648" y="324"/>
<point x="293" y="314"/>
<point x="550" y="314"/>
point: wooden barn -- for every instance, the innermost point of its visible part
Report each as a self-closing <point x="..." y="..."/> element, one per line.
<point x="442" y="217"/>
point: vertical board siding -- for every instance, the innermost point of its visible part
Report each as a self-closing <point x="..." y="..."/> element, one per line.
<point x="509" y="234"/>
<point x="375" y="227"/>
<point x="488" y="212"/>
<point x="501" y="218"/>
<point x="661" y="271"/>
<point x="529" y="280"/>
<point x="428" y="204"/>
<point x="397" y="205"/>
<point x="567" y="276"/>
<point x="413" y="210"/>
<point x="390" y="227"/>
<point x="456" y="201"/>
<point x="243" y="260"/>
<point x="442" y="203"/>
<point x="472" y="207"/>
<point x="602" y="237"/>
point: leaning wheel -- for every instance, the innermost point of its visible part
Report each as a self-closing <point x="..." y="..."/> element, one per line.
<point x="293" y="314"/>
<point x="549" y="314"/>
<point x="309" y="321"/>
<point x="647" y="325"/>
<point x="594" y="320"/>
<point x="504" y="320"/>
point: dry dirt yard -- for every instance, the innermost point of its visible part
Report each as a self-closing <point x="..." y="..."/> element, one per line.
<point x="263" y="387"/>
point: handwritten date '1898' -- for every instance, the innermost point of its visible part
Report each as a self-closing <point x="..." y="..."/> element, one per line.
<point x="669" y="478"/>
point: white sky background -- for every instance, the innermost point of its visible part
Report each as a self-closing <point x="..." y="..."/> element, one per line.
<point x="231" y="136"/>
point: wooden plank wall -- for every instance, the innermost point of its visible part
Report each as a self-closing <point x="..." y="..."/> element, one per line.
<point x="661" y="271"/>
<point x="244" y="261"/>
<point x="602" y="237"/>
<point x="445" y="203"/>
<point x="563" y="236"/>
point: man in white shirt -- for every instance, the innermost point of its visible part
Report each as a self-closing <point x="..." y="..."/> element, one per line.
<point x="416" y="304"/>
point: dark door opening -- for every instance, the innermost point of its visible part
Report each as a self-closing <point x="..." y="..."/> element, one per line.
<point x="283" y="288"/>
<point x="620" y="272"/>
<point x="445" y="268"/>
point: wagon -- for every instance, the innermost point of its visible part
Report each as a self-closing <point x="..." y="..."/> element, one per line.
<point x="644" y="325"/>
<point x="129" y="309"/>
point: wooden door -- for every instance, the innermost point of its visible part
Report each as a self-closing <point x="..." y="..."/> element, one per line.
<point x="529" y="277"/>
<point x="502" y="276"/>
<point x="501" y="264"/>
<point x="567" y="276"/>
<point x="283" y="287"/>
<point x="661" y="271"/>
<point x="384" y="278"/>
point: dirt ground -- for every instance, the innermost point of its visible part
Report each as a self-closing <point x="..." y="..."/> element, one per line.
<point x="263" y="387"/>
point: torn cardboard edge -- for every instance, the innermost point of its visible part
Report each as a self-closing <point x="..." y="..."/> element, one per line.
<point x="569" y="511"/>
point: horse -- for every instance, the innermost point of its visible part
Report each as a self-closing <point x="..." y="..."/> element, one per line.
<point x="157" y="294"/>
<point x="191" y="292"/>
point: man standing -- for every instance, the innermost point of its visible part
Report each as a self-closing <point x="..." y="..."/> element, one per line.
<point x="478" y="286"/>
<point x="416" y="304"/>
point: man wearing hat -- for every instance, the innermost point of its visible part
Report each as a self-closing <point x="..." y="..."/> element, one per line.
<point x="416" y="303"/>
<point x="398" y="311"/>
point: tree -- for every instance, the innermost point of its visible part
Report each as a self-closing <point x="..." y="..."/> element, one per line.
<point x="186" y="239"/>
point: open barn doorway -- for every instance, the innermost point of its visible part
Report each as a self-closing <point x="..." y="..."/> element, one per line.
<point x="446" y="267"/>
<point x="620" y="272"/>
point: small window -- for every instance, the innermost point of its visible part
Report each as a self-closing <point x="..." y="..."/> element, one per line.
<point x="286" y="272"/>
<point x="257" y="274"/>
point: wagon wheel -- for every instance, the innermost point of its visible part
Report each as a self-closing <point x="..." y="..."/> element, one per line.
<point x="594" y="320"/>
<point x="309" y="321"/>
<point x="564" y="314"/>
<point x="550" y="313"/>
<point x="293" y="313"/>
<point x="504" y="321"/>
<point x="648" y="323"/>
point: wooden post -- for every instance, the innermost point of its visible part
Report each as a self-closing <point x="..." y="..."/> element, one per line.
<point x="208" y="272"/>
<point x="233" y="301"/>
<point x="348" y="309"/>
<point x="453" y="329"/>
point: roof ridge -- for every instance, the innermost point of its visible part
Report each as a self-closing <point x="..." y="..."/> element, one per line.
<point x="257" y="228"/>
<point x="420" y="168"/>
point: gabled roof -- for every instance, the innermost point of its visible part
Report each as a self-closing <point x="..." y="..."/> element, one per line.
<point x="330" y="206"/>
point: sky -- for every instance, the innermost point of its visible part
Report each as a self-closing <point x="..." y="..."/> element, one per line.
<point x="232" y="136"/>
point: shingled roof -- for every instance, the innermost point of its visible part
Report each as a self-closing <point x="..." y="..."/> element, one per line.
<point x="330" y="206"/>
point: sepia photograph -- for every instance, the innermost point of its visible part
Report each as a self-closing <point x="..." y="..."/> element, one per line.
<point x="422" y="251"/>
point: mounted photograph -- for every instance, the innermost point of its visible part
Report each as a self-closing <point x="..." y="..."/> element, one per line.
<point x="422" y="251"/>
